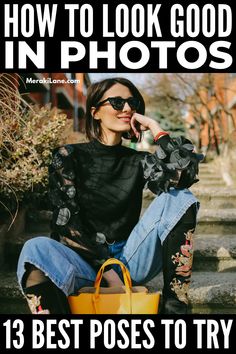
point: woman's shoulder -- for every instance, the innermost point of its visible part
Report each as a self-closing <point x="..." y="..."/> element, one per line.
<point x="70" y="148"/>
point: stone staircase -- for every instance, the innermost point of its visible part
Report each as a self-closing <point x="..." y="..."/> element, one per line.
<point x="213" y="287"/>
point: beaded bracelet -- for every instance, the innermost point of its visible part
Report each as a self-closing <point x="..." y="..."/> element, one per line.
<point x="159" y="135"/>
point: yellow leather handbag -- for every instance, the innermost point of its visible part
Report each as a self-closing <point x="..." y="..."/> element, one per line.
<point x="114" y="300"/>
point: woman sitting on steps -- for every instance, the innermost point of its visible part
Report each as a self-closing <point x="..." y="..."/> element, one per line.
<point x="96" y="192"/>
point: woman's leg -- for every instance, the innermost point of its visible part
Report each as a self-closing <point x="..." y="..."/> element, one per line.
<point x="177" y="256"/>
<point x="48" y="272"/>
<point x="146" y="251"/>
<point x="44" y="297"/>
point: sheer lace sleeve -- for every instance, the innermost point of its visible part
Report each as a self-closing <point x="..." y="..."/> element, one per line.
<point x="67" y="226"/>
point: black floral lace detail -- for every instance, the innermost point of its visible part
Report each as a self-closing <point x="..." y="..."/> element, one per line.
<point x="174" y="164"/>
<point x="67" y="226"/>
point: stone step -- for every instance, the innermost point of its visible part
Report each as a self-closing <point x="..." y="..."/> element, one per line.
<point x="218" y="198"/>
<point x="210" y="221"/>
<point x="214" y="253"/>
<point x="210" y="175"/>
<point x="212" y="288"/>
<point x="206" y="167"/>
<point x="216" y="221"/>
<point x="210" y="183"/>
<point x="206" y="175"/>
<point x="210" y="292"/>
<point x="205" y="179"/>
<point x="209" y="197"/>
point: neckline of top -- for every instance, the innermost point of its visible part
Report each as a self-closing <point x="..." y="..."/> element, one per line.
<point x="101" y="146"/>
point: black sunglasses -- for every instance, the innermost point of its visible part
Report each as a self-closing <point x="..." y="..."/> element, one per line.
<point x="118" y="102"/>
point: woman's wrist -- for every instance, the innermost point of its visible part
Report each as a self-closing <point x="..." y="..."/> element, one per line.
<point x="160" y="135"/>
<point x="155" y="128"/>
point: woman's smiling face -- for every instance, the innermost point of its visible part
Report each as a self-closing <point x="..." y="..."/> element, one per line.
<point x="116" y="121"/>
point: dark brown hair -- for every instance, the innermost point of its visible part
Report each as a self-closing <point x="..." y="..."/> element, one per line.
<point x="95" y="93"/>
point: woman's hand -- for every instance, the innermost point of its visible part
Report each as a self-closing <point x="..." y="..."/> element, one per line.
<point x="140" y="122"/>
<point x="112" y="278"/>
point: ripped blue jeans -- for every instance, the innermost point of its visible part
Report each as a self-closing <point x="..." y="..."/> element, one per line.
<point x="141" y="252"/>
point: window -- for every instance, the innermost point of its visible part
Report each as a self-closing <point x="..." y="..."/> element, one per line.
<point x="68" y="75"/>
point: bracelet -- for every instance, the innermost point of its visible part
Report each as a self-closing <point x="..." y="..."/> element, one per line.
<point x="159" y="135"/>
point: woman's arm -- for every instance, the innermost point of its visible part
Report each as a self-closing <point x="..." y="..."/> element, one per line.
<point x="66" y="224"/>
<point x="174" y="164"/>
<point x="112" y="278"/>
<point x="141" y="122"/>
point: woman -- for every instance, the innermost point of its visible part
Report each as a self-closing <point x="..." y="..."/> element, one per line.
<point x="96" y="192"/>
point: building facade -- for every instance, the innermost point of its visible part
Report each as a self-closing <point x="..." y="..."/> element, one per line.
<point x="66" y="91"/>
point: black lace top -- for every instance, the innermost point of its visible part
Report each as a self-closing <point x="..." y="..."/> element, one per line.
<point x="96" y="189"/>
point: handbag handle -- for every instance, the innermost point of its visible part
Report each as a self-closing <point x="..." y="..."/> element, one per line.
<point x="125" y="272"/>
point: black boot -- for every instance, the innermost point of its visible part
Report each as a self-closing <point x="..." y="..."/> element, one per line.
<point x="46" y="298"/>
<point x="177" y="253"/>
